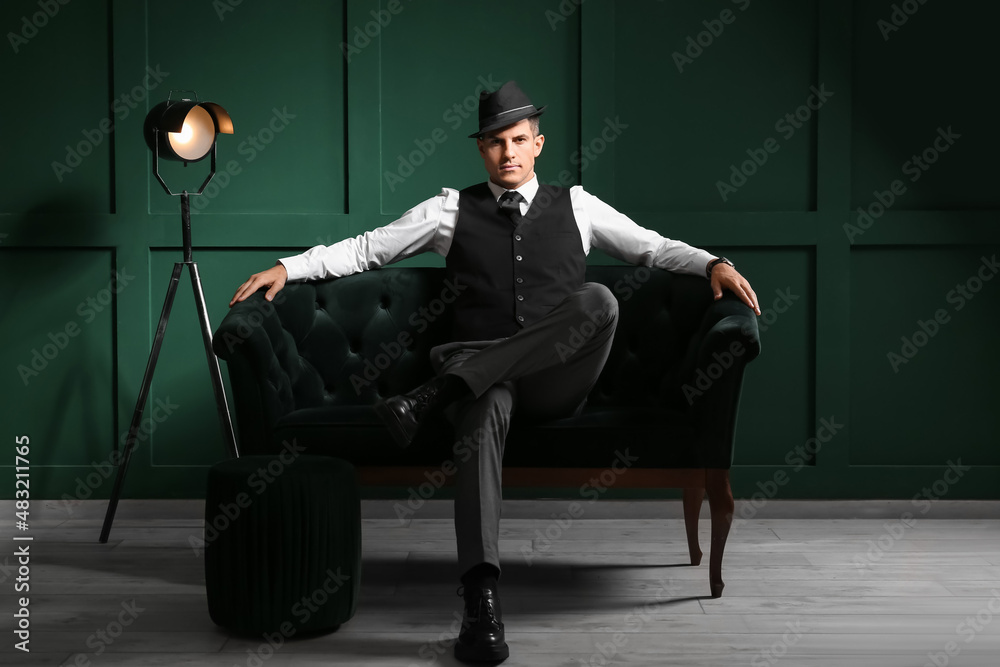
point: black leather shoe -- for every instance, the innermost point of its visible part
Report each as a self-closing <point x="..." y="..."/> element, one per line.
<point x="481" y="638"/>
<point x="403" y="414"/>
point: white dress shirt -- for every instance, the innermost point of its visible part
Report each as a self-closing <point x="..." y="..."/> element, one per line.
<point x="430" y="225"/>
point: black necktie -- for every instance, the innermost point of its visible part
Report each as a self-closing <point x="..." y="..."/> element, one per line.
<point x="510" y="202"/>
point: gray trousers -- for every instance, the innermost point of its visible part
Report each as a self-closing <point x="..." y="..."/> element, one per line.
<point x="544" y="371"/>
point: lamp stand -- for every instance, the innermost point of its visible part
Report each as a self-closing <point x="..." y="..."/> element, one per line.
<point x="213" y="363"/>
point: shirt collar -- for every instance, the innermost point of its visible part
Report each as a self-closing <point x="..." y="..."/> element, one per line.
<point x="528" y="190"/>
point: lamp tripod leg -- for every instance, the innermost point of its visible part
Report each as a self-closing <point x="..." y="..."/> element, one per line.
<point x="140" y="404"/>
<point x="213" y="363"/>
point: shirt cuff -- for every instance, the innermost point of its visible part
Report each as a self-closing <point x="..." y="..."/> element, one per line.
<point x="702" y="260"/>
<point x="295" y="267"/>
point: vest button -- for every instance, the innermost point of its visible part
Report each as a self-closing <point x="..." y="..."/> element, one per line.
<point x="520" y="318"/>
<point x="517" y="237"/>
<point x="520" y="297"/>
<point x="518" y="258"/>
<point x="520" y="280"/>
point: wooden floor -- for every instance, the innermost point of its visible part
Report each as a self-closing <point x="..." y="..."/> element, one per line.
<point x="609" y="588"/>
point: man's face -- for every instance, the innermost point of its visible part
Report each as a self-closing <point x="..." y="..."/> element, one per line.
<point x="509" y="154"/>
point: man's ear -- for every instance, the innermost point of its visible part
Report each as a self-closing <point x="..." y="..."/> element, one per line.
<point x="539" y="142"/>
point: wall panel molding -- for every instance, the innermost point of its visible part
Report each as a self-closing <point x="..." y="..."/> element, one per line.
<point x="367" y="93"/>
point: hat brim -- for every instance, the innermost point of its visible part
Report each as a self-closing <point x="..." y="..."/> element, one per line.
<point x="496" y="122"/>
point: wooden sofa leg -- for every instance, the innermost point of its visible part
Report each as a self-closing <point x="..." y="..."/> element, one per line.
<point x="720" y="500"/>
<point x="692" y="508"/>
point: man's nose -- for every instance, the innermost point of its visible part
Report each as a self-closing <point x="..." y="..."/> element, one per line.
<point x="508" y="149"/>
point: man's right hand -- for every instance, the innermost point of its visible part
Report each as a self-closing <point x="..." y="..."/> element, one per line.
<point x="274" y="278"/>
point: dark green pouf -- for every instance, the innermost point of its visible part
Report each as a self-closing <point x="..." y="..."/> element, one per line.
<point x="282" y="543"/>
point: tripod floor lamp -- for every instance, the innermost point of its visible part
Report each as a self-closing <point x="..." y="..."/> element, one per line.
<point x="184" y="131"/>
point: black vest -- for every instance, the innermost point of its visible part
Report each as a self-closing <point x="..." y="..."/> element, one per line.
<point x="507" y="276"/>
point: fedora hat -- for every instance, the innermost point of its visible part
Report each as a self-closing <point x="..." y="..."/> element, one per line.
<point x="503" y="107"/>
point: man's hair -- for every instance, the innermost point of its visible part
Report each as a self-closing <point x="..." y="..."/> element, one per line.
<point x="536" y="125"/>
<point x="533" y="123"/>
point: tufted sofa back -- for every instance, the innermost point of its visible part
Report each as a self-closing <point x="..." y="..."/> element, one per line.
<point x="351" y="340"/>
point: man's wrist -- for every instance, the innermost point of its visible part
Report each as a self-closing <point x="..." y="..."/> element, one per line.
<point x="293" y="266"/>
<point x="715" y="262"/>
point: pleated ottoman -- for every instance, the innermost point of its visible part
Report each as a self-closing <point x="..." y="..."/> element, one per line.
<point x="282" y="544"/>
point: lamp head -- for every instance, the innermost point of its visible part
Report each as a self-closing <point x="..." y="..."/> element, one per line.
<point x="185" y="130"/>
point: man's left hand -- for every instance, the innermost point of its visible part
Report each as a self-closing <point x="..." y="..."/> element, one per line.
<point x="726" y="277"/>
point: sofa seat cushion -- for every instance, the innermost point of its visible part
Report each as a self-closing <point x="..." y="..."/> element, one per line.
<point x="653" y="438"/>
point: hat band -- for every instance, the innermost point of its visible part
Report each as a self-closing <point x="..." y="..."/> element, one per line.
<point x="527" y="106"/>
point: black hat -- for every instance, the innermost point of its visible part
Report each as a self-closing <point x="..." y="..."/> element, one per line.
<point x="504" y="107"/>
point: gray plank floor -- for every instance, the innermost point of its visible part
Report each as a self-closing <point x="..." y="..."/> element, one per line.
<point x="810" y="584"/>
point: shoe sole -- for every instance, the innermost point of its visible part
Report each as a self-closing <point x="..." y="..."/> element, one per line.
<point x="498" y="654"/>
<point x="391" y="422"/>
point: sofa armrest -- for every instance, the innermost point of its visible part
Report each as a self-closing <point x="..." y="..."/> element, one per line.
<point x="711" y="374"/>
<point x="260" y="357"/>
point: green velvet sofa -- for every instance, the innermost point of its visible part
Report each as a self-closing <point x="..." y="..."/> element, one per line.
<point x="310" y="365"/>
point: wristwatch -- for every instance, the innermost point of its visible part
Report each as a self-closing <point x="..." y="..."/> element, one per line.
<point x="717" y="260"/>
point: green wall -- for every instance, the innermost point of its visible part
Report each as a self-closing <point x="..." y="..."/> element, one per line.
<point x="329" y="144"/>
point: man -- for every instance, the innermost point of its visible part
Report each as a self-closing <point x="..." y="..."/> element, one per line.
<point x="518" y="248"/>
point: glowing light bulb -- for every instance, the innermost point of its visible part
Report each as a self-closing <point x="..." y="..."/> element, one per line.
<point x="196" y="137"/>
<point x="183" y="136"/>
